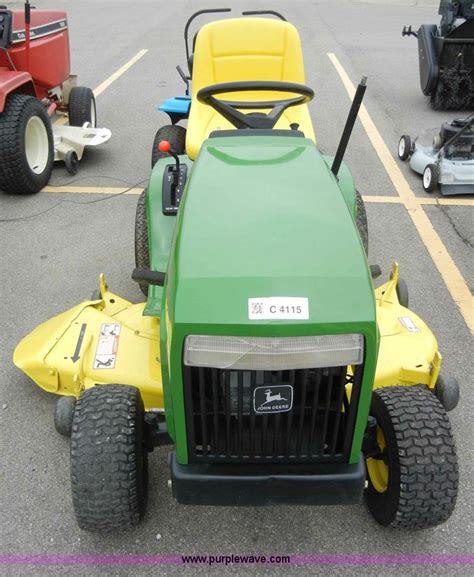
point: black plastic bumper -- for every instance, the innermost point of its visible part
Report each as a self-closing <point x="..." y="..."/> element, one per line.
<point x="325" y="484"/>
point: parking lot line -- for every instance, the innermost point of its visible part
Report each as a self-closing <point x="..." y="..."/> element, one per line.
<point x="108" y="81"/>
<point x="92" y="189"/>
<point x="367" y="198"/>
<point x="448" y="270"/>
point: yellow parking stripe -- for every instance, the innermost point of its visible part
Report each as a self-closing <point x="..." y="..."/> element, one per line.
<point x="367" y="198"/>
<point x="431" y="201"/>
<point x="448" y="270"/>
<point x="106" y="83"/>
<point x="113" y="77"/>
<point x="91" y="189"/>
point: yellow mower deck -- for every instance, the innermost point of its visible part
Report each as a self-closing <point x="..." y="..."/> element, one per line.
<point x="109" y="340"/>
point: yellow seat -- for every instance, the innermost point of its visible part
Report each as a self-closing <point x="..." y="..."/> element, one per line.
<point x="242" y="49"/>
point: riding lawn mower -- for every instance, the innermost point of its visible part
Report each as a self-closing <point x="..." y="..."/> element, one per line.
<point x="263" y="354"/>
<point x="446" y="56"/>
<point x="35" y="83"/>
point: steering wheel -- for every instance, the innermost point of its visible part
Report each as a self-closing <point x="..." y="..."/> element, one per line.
<point x="257" y="120"/>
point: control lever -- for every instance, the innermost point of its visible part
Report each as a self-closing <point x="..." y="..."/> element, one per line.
<point x="174" y="180"/>
<point x="165" y="147"/>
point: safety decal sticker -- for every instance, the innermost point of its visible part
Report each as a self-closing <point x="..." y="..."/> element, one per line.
<point x="409" y="324"/>
<point x="106" y="353"/>
<point x="280" y="308"/>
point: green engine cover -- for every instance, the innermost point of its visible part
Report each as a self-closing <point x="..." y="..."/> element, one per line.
<point x="263" y="216"/>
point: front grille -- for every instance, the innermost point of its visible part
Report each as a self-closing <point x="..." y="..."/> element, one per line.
<point x="223" y="426"/>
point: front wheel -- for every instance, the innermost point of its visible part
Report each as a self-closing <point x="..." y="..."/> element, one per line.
<point x="109" y="459"/>
<point x="26" y="145"/>
<point x="413" y="480"/>
<point x="82" y="107"/>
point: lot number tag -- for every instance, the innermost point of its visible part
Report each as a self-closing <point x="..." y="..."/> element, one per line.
<point x="280" y="308"/>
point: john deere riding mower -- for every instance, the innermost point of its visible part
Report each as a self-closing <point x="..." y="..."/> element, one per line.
<point x="263" y="352"/>
<point x="446" y="56"/>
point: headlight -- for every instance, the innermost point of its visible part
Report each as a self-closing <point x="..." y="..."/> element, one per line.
<point x="273" y="353"/>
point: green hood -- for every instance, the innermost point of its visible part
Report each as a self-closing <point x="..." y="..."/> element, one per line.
<point x="262" y="217"/>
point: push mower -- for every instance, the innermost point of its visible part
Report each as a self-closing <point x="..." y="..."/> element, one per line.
<point x="446" y="56"/>
<point x="449" y="162"/>
<point x="35" y="83"/>
<point x="263" y="353"/>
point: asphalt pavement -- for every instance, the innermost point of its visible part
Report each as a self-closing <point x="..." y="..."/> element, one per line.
<point x="52" y="261"/>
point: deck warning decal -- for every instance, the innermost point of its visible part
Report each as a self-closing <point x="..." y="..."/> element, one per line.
<point x="106" y="353"/>
<point x="409" y="324"/>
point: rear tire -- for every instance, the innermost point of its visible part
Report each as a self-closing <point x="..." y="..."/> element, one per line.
<point x="26" y="145"/>
<point x="420" y="454"/>
<point x="361" y="221"/>
<point x="82" y="107"/>
<point x="109" y="460"/>
<point x="430" y="178"/>
<point x="175" y="135"/>
<point x="142" y="252"/>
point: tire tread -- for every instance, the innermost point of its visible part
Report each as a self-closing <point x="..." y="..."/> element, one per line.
<point x="107" y="479"/>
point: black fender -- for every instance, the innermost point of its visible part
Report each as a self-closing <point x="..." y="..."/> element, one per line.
<point x="428" y="58"/>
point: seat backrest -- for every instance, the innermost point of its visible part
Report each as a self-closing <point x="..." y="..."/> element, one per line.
<point x="241" y="49"/>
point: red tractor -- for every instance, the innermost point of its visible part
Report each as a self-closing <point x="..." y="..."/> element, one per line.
<point x="35" y="82"/>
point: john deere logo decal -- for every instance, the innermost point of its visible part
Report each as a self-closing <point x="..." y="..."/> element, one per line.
<point x="273" y="399"/>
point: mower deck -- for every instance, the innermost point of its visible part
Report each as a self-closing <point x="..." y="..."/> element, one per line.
<point x="455" y="176"/>
<point x="108" y="340"/>
<point x="75" y="138"/>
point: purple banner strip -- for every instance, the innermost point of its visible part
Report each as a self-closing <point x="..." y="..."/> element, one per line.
<point x="432" y="560"/>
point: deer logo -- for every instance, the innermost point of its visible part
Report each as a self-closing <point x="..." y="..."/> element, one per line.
<point x="270" y="397"/>
<point x="273" y="399"/>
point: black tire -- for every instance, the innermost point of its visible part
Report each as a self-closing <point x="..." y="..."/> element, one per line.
<point x="447" y="391"/>
<point x="430" y="178"/>
<point x="402" y="292"/>
<point x="175" y="135"/>
<point x="82" y="107"/>
<point x="421" y="457"/>
<point x="72" y="162"/>
<point x="109" y="461"/>
<point x="63" y="415"/>
<point x="142" y="252"/>
<point x="26" y="145"/>
<point x="361" y="221"/>
<point x="404" y="147"/>
<point x="96" y="295"/>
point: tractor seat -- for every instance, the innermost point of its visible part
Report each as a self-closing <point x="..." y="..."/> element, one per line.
<point x="242" y="49"/>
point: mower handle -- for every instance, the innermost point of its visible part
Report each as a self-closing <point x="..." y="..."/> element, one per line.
<point x="230" y="109"/>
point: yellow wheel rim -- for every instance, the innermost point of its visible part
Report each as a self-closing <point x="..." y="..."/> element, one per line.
<point x="377" y="469"/>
